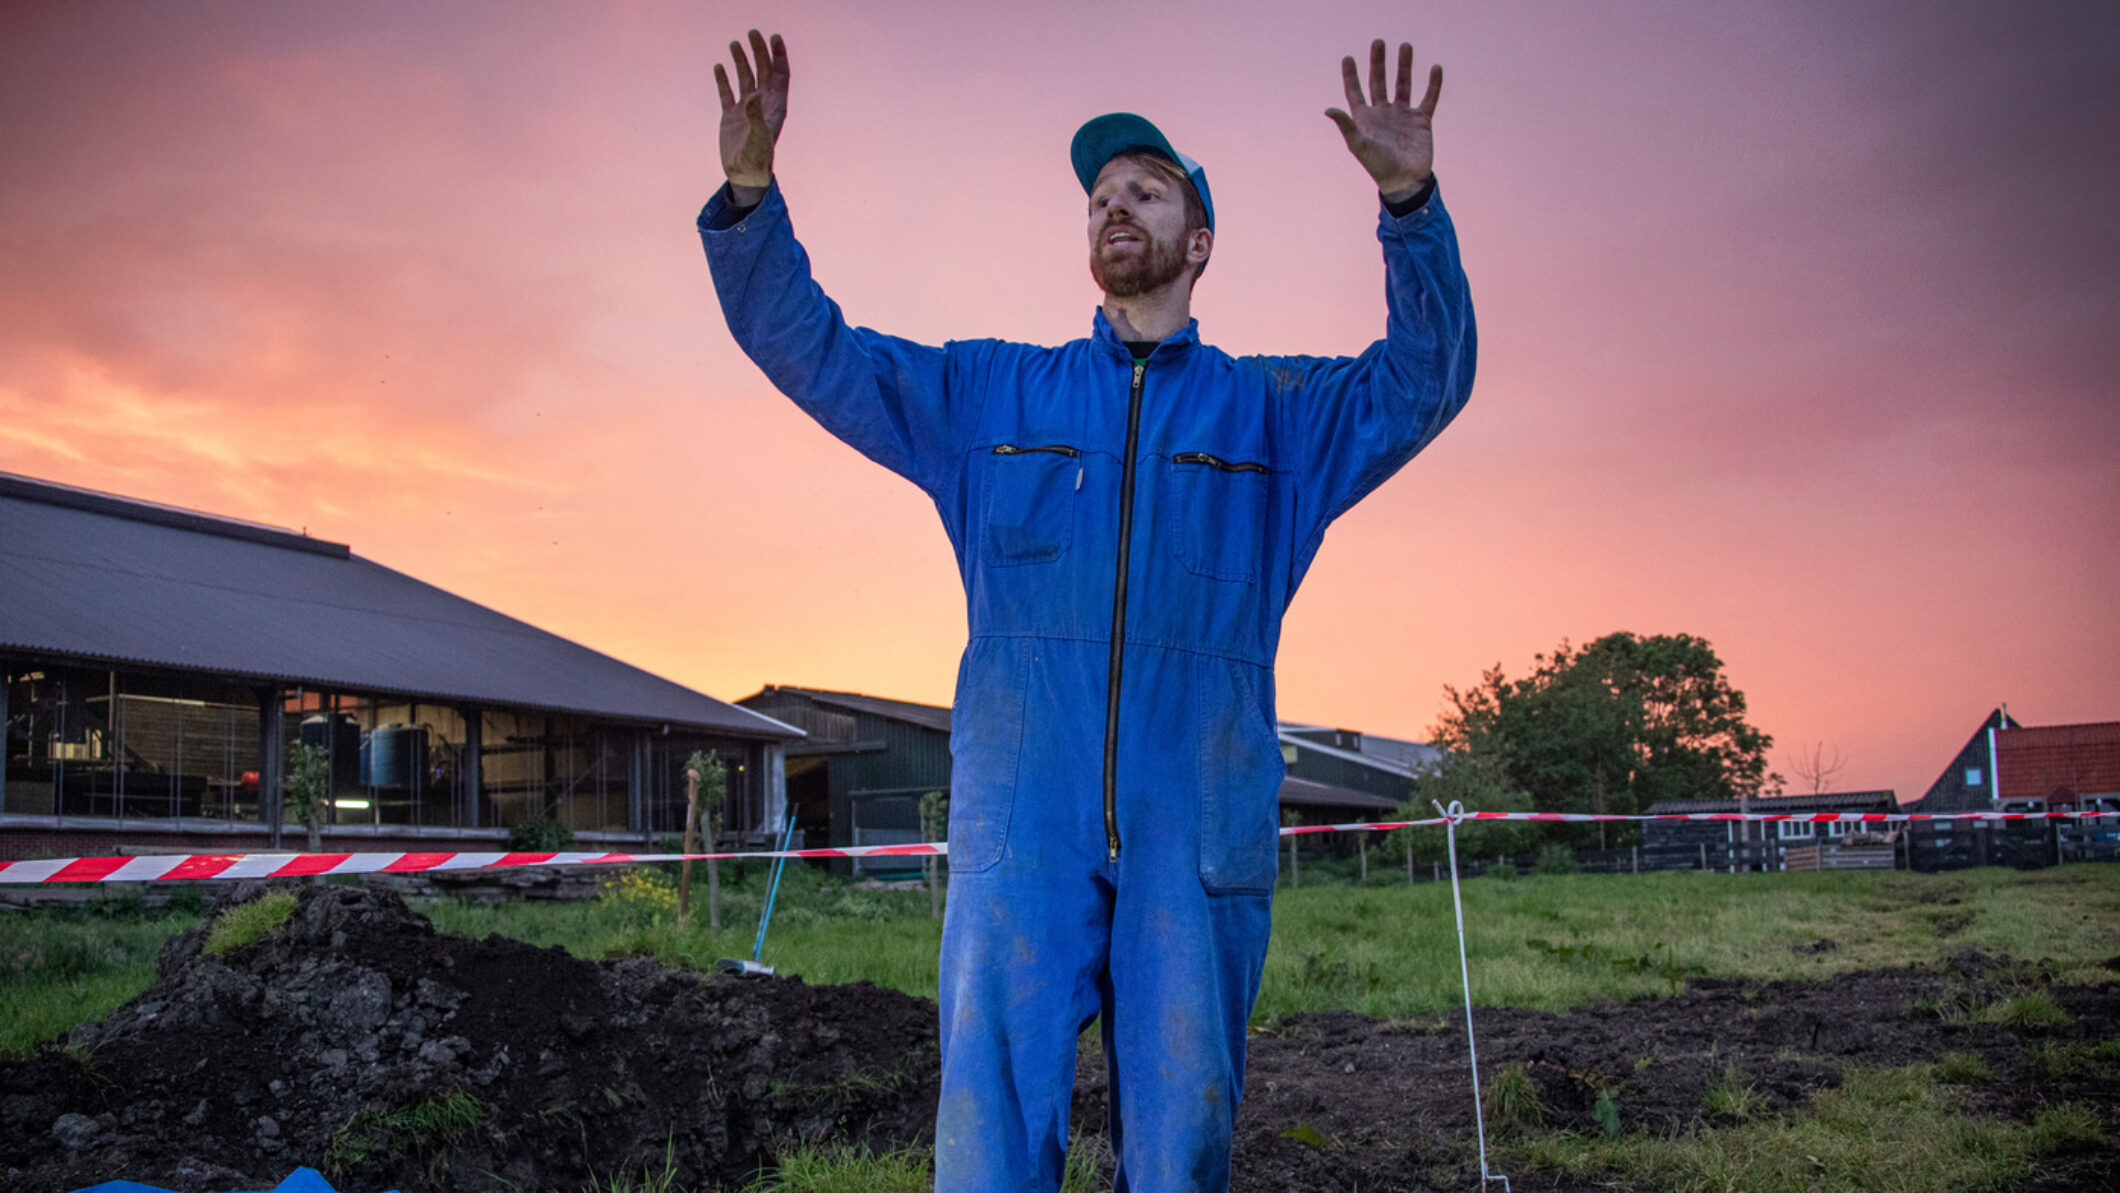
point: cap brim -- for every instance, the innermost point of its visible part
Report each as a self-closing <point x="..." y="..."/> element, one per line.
<point x="1106" y="137"/>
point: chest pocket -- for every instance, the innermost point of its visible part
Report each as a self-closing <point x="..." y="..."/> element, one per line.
<point x="1217" y="515"/>
<point x="1031" y="495"/>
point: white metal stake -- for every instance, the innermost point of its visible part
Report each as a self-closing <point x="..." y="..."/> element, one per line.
<point x="1451" y="815"/>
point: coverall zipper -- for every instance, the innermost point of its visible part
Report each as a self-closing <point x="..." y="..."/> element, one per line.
<point x="1126" y="543"/>
<point x="1010" y="449"/>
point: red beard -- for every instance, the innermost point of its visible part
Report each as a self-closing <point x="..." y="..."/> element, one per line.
<point x="1141" y="273"/>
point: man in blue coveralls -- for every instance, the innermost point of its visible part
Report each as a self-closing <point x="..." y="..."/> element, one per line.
<point x="1131" y="514"/>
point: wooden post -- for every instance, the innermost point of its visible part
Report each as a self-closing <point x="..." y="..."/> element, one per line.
<point x="1704" y="857"/>
<point x="1362" y="845"/>
<point x="1637" y="859"/>
<point x="684" y="878"/>
<point x="1295" y="864"/>
<point x="1436" y="870"/>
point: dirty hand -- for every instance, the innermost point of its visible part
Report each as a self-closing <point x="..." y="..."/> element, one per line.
<point x="751" y="114"/>
<point x="1393" y="138"/>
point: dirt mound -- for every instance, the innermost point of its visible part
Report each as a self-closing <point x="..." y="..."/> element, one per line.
<point x="357" y="1038"/>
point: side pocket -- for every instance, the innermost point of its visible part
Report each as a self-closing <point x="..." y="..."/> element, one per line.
<point x="1218" y="515"/>
<point x="986" y="744"/>
<point x="1240" y="782"/>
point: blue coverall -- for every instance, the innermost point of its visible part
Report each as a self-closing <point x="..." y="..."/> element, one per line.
<point x="1128" y="535"/>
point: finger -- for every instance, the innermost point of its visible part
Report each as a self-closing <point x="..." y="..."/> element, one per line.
<point x="1377" y="94"/>
<point x="746" y="82"/>
<point x="721" y="84"/>
<point x="1435" y="89"/>
<point x="1344" y="122"/>
<point x="1404" y="92"/>
<point x="762" y="55"/>
<point x="780" y="62"/>
<point x="1351" y="81"/>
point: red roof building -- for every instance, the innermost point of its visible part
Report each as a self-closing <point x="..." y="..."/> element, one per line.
<point x="2006" y="763"/>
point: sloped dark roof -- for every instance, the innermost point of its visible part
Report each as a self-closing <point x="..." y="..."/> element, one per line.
<point x="1306" y="793"/>
<point x="927" y="716"/>
<point x="1774" y="805"/>
<point x="97" y="577"/>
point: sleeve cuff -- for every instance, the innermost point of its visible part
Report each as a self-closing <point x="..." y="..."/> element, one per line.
<point x="722" y="214"/>
<point x="1413" y="203"/>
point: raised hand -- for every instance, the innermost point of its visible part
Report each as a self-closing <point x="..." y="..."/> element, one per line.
<point x="1392" y="137"/>
<point x="752" y="113"/>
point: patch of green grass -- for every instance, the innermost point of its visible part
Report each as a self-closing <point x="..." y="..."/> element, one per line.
<point x="2067" y="1128"/>
<point x="1511" y="1101"/>
<point x="2033" y="1011"/>
<point x="1961" y="1068"/>
<point x="1709" y="925"/>
<point x="1883" y="1131"/>
<point x="1730" y="1095"/>
<point x="650" y="1180"/>
<point x="812" y="1169"/>
<point x="61" y="967"/>
<point x="247" y="923"/>
<point x="849" y="1170"/>
<point x="402" y="1130"/>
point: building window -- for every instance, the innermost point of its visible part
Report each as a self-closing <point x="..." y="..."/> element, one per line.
<point x="1796" y="830"/>
<point x="1974" y="776"/>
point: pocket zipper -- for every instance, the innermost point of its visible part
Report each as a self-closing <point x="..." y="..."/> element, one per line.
<point x="1060" y="449"/>
<point x="1216" y="462"/>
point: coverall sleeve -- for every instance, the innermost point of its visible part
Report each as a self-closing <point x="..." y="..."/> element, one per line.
<point x="889" y="398"/>
<point x="1356" y="420"/>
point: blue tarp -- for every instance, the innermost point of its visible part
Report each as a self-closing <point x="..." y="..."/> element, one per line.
<point x="304" y="1180"/>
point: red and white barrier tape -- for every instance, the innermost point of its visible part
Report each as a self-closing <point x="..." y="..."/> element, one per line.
<point x="181" y="867"/>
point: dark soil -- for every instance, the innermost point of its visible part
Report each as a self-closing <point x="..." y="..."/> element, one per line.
<point x="342" y="1040"/>
<point x="231" y="1071"/>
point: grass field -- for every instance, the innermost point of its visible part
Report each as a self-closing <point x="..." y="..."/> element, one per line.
<point x="1383" y="948"/>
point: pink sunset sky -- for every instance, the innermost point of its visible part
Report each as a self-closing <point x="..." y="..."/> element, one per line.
<point x="1800" y="322"/>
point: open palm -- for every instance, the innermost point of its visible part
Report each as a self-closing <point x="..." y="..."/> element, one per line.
<point x="1393" y="137"/>
<point x="753" y="111"/>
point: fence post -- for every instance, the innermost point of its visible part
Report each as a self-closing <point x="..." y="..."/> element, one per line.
<point x="1704" y="857"/>
<point x="1637" y="859"/>
<point x="1436" y="871"/>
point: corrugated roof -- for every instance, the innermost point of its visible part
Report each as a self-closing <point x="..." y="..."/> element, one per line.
<point x="1392" y="755"/>
<point x="1841" y="801"/>
<point x="1305" y="793"/>
<point x="99" y="577"/>
<point x="2031" y="762"/>
<point x="927" y="716"/>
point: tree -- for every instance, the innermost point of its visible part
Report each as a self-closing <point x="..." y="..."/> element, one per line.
<point x="934" y="826"/>
<point x="309" y="790"/>
<point x="706" y="784"/>
<point x="1612" y="727"/>
<point x="1818" y="766"/>
<point x="1477" y="785"/>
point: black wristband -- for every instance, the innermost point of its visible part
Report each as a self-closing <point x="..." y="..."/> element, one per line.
<point x="1419" y="200"/>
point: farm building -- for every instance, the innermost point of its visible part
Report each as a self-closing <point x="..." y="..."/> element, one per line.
<point x="858" y="776"/>
<point x="159" y="665"/>
<point x="2007" y="766"/>
<point x="1780" y="845"/>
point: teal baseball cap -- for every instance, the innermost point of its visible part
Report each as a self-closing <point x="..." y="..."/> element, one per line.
<point x="1114" y="133"/>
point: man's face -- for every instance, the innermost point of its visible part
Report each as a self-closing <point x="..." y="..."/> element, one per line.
<point x="1137" y="235"/>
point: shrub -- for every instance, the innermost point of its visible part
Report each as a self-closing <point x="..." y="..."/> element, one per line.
<point x="540" y="835"/>
<point x="1556" y="858"/>
<point x="1501" y="870"/>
